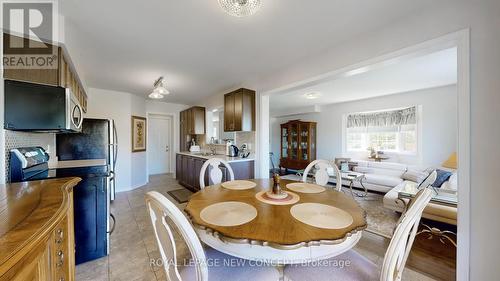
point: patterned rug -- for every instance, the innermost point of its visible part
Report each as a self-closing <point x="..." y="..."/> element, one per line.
<point x="380" y="220"/>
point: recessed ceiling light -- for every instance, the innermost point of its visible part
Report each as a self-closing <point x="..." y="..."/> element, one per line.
<point x="311" y="96"/>
<point x="240" y="8"/>
<point x="215" y="110"/>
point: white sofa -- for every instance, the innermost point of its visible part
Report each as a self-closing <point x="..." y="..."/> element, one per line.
<point x="387" y="177"/>
<point x="380" y="176"/>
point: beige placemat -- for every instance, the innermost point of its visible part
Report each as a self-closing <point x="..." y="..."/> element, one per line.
<point x="303" y="187"/>
<point x="321" y="215"/>
<point x="231" y="213"/>
<point x="238" y="184"/>
<point x="292" y="198"/>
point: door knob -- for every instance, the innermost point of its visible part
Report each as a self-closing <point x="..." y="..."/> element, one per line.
<point x="166" y="148"/>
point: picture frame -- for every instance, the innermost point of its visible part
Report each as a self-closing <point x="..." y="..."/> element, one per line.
<point x="139" y="134"/>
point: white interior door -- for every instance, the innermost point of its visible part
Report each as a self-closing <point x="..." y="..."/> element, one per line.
<point x="159" y="146"/>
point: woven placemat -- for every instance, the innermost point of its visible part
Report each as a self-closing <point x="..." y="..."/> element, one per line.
<point x="321" y="215"/>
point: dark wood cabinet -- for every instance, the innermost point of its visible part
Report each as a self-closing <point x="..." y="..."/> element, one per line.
<point x="189" y="168"/>
<point x="61" y="73"/>
<point x="192" y="122"/>
<point x="298" y="144"/>
<point x="239" y="110"/>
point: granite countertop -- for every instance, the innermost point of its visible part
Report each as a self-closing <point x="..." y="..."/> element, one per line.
<point x="221" y="156"/>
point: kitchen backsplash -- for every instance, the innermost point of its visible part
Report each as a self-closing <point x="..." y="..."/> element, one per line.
<point x="239" y="139"/>
<point x="15" y="139"/>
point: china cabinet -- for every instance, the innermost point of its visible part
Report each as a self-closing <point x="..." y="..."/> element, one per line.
<point x="298" y="144"/>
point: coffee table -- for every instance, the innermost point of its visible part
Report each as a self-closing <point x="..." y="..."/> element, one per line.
<point x="442" y="197"/>
<point x="352" y="177"/>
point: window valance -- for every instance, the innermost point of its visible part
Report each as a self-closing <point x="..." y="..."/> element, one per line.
<point x="405" y="116"/>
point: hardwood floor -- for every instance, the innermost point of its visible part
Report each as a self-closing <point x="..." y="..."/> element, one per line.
<point x="133" y="245"/>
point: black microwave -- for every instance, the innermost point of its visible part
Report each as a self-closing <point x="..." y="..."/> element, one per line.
<point x="35" y="107"/>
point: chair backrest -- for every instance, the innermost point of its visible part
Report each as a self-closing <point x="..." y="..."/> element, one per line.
<point x="159" y="209"/>
<point x="430" y="179"/>
<point x="215" y="173"/>
<point x="321" y="176"/>
<point x="404" y="235"/>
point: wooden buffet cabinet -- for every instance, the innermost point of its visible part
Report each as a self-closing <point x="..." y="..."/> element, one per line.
<point x="37" y="230"/>
<point x="298" y="144"/>
<point x="62" y="74"/>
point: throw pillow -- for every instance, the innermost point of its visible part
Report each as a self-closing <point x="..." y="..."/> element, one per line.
<point x="415" y="176"/>
<point x="442" y="176"/>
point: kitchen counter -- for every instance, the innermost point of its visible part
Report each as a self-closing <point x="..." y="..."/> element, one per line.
<point x="229" y="159"/>
<point x="77" y="163"/>
<point x="32" y="216"/>
<point x="188" y="168"/>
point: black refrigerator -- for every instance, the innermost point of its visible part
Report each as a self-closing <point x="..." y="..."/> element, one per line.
<point x="93" y="195"/>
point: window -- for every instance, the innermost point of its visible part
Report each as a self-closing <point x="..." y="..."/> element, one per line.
<point x="391" y="131"/>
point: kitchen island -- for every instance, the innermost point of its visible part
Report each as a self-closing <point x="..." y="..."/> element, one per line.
<point x="188" y="167"/>
<point x="37" y="230"/>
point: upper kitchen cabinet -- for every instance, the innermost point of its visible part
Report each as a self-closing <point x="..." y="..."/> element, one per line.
<point x="239" y="110"/>
<point x="60" y="73"/>
<point x="193" y="121"/>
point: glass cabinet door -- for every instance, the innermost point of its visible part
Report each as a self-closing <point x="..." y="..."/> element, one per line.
<point x="294" y="141"/>
<point x="304" y="142"/>
<point x="284" y="142"/>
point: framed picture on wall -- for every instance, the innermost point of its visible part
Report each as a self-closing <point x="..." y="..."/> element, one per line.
<point x="138" y="134"/>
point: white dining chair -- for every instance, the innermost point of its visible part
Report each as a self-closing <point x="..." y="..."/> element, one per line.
<point x="207" y="264"/>
<point x="321" y="176"/>
<point x="431" y="178"/>
<point x="215" y="173"/>
<point x="360" y="268"/>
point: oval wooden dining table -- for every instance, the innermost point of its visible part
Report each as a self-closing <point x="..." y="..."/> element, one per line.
<point x="274" y="235"/>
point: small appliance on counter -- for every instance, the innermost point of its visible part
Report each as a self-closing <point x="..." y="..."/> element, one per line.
<point x="90" y="197"/>
<point x="194" y="147"/>
<point x="231" y="150"/>
<point x="244" y="152"/>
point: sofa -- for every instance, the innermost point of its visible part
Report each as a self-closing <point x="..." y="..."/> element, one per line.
<point x="389" y="178"/>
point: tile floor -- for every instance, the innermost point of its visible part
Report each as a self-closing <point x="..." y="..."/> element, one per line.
<point x="133" y="244"/>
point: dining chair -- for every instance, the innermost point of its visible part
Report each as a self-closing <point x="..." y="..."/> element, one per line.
<point x="429" y="180"/>
<point x="206" y="264"/>
<point x="362" y="269"/>
<point x="321" y="176"/>
<point x="215" y="172"/>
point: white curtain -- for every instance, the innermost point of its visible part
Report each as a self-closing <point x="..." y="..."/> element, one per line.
<point x="393" y="118"/>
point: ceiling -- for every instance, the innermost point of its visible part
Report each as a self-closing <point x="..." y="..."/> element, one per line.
<point x="397" y="76"/>
<point x="126" y="45"/>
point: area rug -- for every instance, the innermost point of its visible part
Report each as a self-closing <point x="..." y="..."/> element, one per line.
<point x="180" y="195"/>
<point x="381" y="221"/>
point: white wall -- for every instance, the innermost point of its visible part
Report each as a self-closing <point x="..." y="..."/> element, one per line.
<point x="131" y="170"/>
<point x="438" y="123"/>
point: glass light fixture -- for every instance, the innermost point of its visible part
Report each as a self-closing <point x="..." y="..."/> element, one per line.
<point x="240" y="8"/>
<point x="159" y="90"/>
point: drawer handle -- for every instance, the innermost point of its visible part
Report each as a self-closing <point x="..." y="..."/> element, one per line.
<point x="60" y="254"/>
<point x="60" y="236"/>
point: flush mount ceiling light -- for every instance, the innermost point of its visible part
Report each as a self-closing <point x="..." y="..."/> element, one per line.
<point x="311" y="96"/>
<point x="240" y="8"/>
<point x="159" y="90"/>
